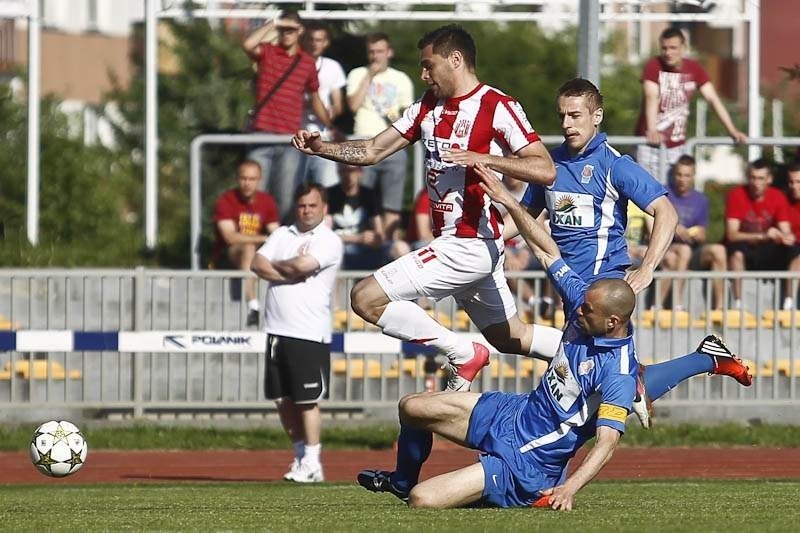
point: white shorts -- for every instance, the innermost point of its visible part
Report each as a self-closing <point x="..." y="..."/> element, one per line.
<point x="647" y="157"/>
<point x="469" y="270"/>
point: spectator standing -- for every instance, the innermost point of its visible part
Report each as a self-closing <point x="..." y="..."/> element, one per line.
<point x="378" y="94"/>
<point x="331" y="81"/>
<point x="284" y="73"/>
<point x="300" y="262"/>
<point x="793" y="189"/>
<point x="758" y="233"/>
<point x="689" y="248"/>
<point x="668" y="83"/>
<point x="354" y="216"/>
<point x="243" y="218"/>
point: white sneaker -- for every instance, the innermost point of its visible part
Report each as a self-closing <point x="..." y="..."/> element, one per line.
<point x="461" y="376"/>
<point x="292" y="469"/>
<point x="307" y="473"/>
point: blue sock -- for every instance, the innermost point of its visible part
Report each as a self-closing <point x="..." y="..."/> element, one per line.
<point x="413" y="448"/>
<point x="659" y="379"/>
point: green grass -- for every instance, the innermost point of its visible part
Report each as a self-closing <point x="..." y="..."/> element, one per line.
<point x="601" y="506"/>
<point x="159" y="437"/>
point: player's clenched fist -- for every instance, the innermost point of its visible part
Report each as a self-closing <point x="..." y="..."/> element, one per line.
<point x="307" y="142"/>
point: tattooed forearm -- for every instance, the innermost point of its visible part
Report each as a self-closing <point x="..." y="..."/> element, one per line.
<point x="354" y="152"/>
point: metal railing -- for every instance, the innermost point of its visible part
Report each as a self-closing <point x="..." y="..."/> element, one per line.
<point x="149" y="340"/>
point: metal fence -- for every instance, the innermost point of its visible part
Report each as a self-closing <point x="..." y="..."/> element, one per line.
<point x="147" y="340"/>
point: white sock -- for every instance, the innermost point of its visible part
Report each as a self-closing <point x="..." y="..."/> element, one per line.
<point x="788" y="303"/>
<point x="253" y="305"/>
<point x="737" y="304"/>
<point x="312" y="452"/>
<point x="409" y="322"/>
<point x="545" y="342"/>
<point x="299" y="449"/>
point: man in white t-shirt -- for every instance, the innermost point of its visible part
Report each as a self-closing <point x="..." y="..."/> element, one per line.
<point x="300" y="262"/>
<point x="377" y="94"/>
<point x="462" y="124"/>
<point x="331" y="81"/>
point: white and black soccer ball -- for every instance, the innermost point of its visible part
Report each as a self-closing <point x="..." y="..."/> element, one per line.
<point x="58" y="449"/>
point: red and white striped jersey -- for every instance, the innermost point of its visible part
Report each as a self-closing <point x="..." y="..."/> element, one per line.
<point x="484" y="121"/>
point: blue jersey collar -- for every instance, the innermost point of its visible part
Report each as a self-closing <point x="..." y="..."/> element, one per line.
<point x="611" y="342"/>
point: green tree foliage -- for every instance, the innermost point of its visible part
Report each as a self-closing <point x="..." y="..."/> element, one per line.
<point x="81" y="212"/>
<point x="92" y="198"/>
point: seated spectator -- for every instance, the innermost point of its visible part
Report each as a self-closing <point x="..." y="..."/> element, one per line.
<point x="637" y="233"/>
<point x="757" y="228"/>
<point x="689" y="248"/>
<point x="243" y="218"/>
<point x="418" y="231"/>
<point x="793" y="192"/>
<point x="353" y="214"/>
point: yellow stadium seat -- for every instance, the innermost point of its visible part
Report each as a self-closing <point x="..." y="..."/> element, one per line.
<point x="462" y="320"/>
<point x="645" y="319"/>
<point x="355" y="367"/>
<point x="38" y="369"/>
<point x="666" y="318"/>
<point x="529" y="367"/>
<point x="441" y="317"/>
<point x="785" y="318"/>
<point x="732" y="318"/>
<point x="504" y="369"/>
<point x="7" y="324"/>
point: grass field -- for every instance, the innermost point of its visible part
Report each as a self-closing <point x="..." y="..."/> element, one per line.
<point x="601" y="506"/>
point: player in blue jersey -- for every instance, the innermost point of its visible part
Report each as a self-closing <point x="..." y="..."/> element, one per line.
<point x="527" y="439"/>
<point x="588" y="202"/>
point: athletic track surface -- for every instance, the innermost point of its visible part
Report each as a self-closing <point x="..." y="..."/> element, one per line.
<point x="259" y="466"/>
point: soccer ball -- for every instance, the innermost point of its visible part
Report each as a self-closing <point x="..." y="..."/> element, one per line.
<point x="58" y="449"/>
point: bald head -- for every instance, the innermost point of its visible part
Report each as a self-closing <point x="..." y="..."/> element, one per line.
<point x="613" y="297"/>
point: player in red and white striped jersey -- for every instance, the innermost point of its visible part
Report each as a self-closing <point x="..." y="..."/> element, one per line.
<point x="462" y="123"/>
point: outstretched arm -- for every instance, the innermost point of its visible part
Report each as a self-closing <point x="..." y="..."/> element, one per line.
<point x="531" y="163"/>
<point x="710" y="94"/>
<point x="364" y="152"/>
<point x="535" y="235"/>
<point x="561" y="496"/>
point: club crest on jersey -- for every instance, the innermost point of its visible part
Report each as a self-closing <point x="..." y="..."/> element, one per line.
<point x="586" y="173"/>
<point x="585" y="367"/>
<point x="461" y="128"/>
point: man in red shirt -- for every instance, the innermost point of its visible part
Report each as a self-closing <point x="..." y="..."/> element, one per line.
<point x="668" y="83"/>
<point x="243" y="217"/>
<point x="793" y="189"/>
<point x="286" y="73"/>
<point x="757" y="228"/>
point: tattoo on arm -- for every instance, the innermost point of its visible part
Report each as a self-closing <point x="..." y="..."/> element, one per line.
<point x="349" y="152"/>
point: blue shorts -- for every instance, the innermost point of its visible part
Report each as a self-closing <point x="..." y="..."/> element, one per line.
<point x="511" y="479"/>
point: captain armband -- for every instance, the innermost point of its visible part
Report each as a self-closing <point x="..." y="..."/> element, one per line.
<point x="612" y="412"/>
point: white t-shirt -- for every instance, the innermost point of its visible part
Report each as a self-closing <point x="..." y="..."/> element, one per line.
<point x="486" y="121"/>
<point x="389" y="93"/>
<point x="302" y="310"/>
<point x="331" y="78"/>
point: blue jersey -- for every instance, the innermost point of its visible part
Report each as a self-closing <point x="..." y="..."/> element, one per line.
<point x="591" y="382"/>
<point x="588" y="205"/>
